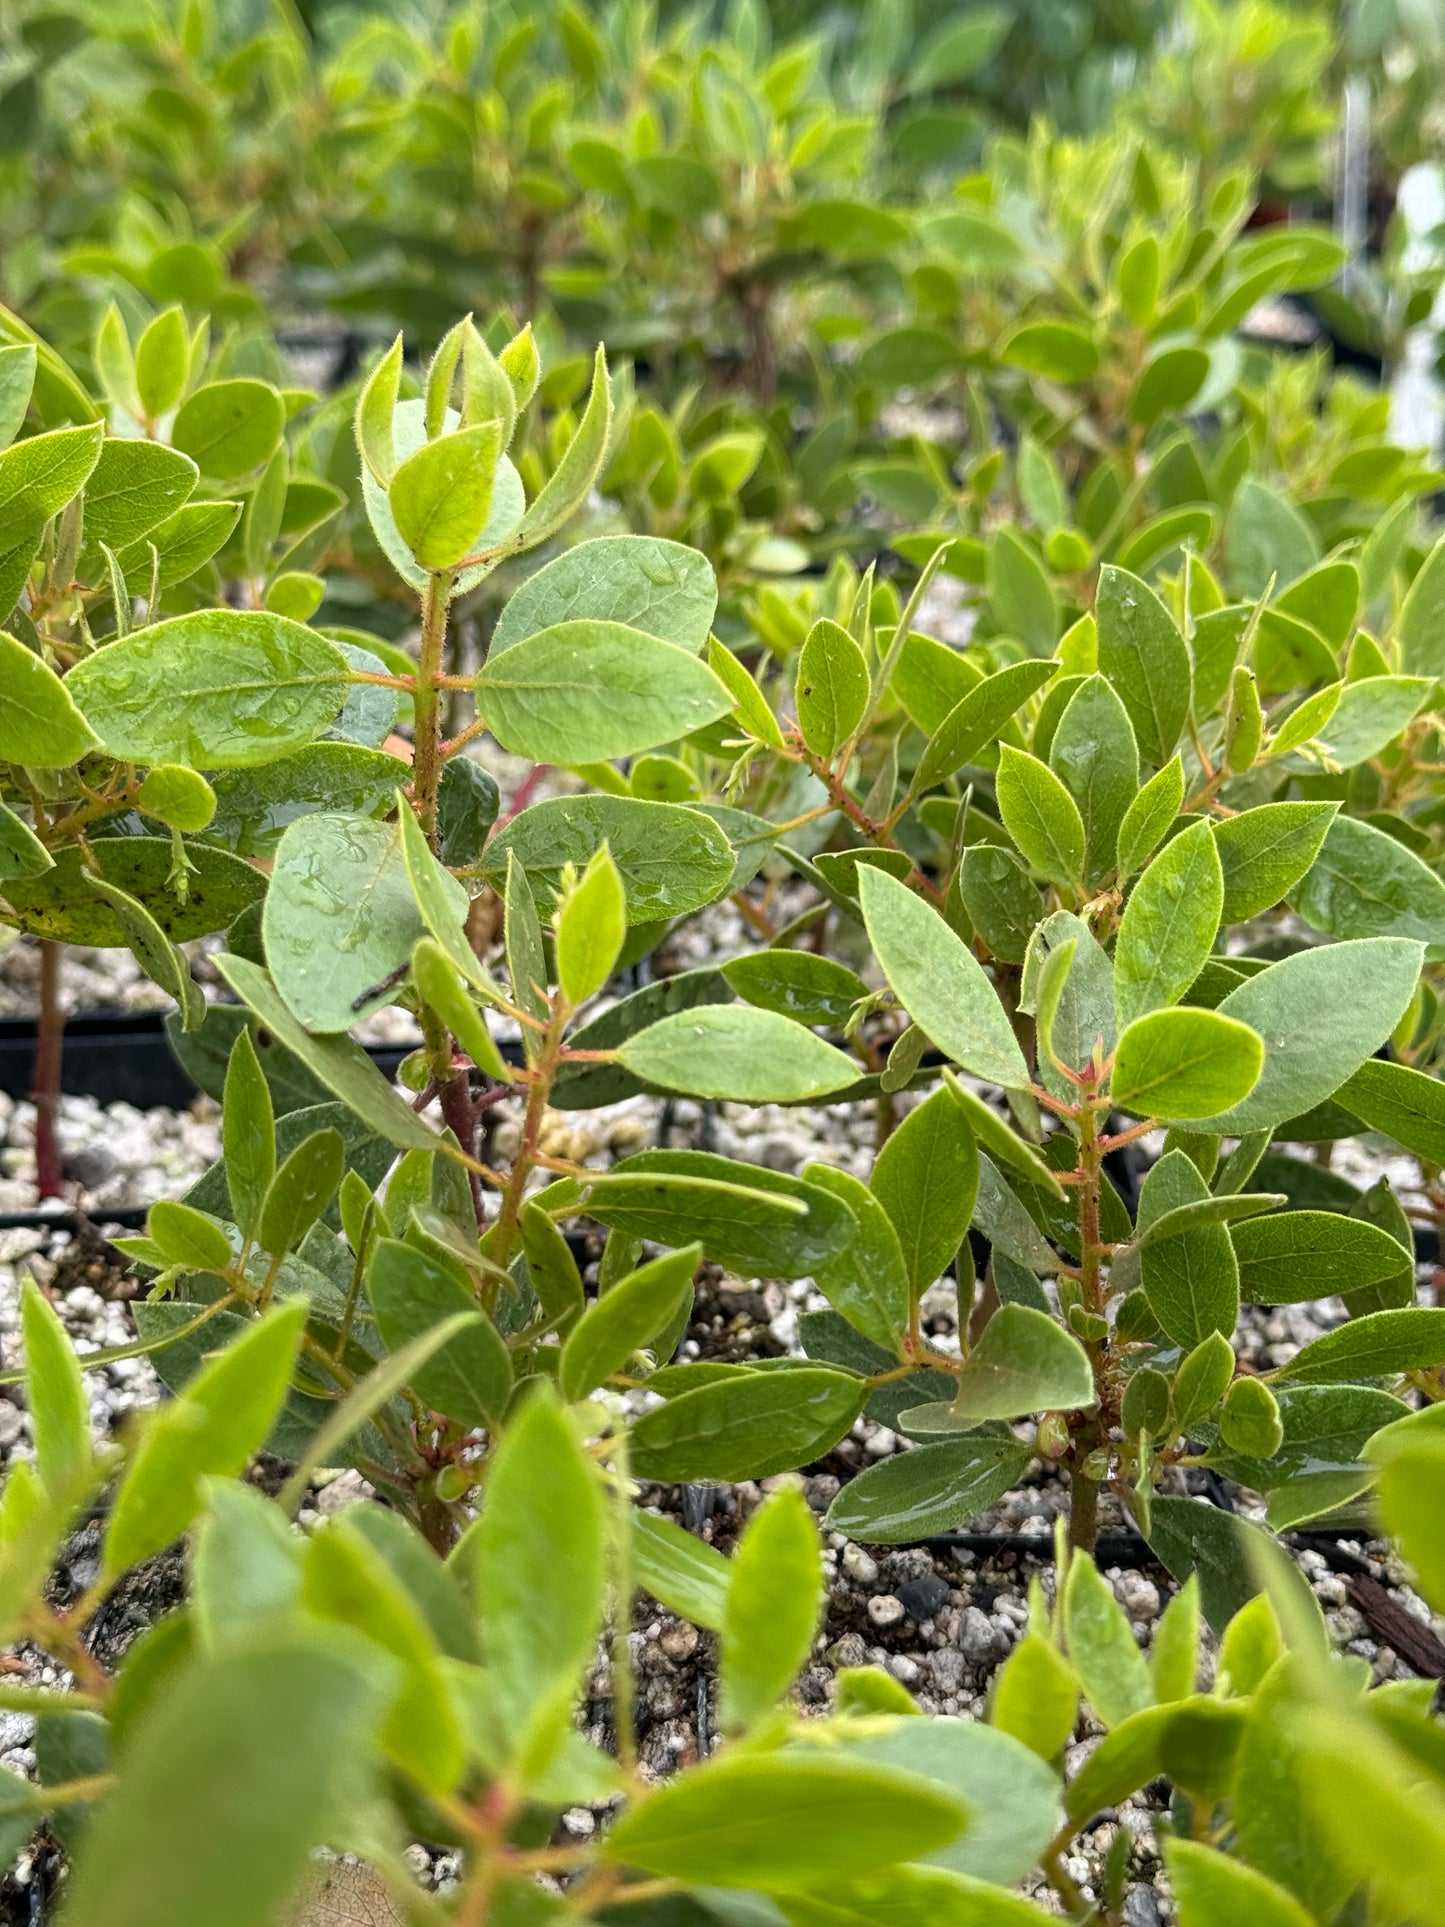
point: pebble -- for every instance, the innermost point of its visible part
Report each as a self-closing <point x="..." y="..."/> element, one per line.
<point x="1141" y="1908"/>
<point x="925" y="1596"/>
<point x="1137" y="1595"/>
<point x="886" y="1609"/>
<point x="860" y="1567"/>
<point x="978" y="1637"/>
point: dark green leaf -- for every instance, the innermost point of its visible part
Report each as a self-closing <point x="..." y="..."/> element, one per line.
<point x="926" y="1179"/>
<point x="934" y="1488"/>
<point x="747" y="1427"/>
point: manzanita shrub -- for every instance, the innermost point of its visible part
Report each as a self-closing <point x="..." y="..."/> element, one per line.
<point x="350" y="1688"/>
<point x="1156" y="853"/>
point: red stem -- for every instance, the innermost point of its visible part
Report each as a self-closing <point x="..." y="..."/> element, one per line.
<point x="49" y="1046"/>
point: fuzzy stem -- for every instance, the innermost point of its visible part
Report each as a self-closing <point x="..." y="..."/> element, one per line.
<point x="543" y="1072"/>
<point x="427" y="760"/>
<point x="1084" y="1492"/>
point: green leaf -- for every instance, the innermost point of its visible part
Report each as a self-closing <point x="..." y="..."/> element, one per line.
<point x="681" y="1571"/>
<point x="348" y="1581"/>
<point x="62" y="902"/>
<point x="217" y="689"/>
<point x="1420" y="626"/>
<point x="1183" y="1064"/>
<point x="671" y="859"/>
<point x="152" y="949"/>
<point x="748" y="1426"/>
<point x="1041" y="816"/>
<point x="343" y="1067"/>
<point x="23" y="856"/>
<point x="499" y="537"/>
<point x="41" y="474"/>
<point x="39" y="722"/>
<point x="1174" y="1661"/>
<point x="246" y="1565"/>
<point x="1365" y="883"/>
<point x="470" y="1378"/>
<point x="1371" y="715"/>
<point x="1169" y="925"/>
<point x="1202" y="1379"/>
<point x="182" y="799"/>
<point x="441" y="902"/>
<point x="1024" y="1362"/>
<point x="1375" y="1346"/>
<point x="1410" y="1498"/>
<point x="133" y="488"/>
<point x="17" y="380"/>
<point x="932" y="1489"/>
<point x="1407" y="1105"/>
<point x="162" y="362"/>
<point x="59" y="1408"/>
<point x="591" y="925"/>
<point x="867" y="1283"/>
<point x="187" y="1236"/>
<point x="1252" y="1643"/>
<point x="930" y="679"/>
<point x="1126" y="1759"/>
<point x="1310" y="1254"/>
<point x="797" y="984"/>
<point x="1143" y="655"/>
<point x="1095" y="756"/>
<point x="993" y="1134"/>
<point x="1212" y="1890"/>
<point x="832" y="687"/>
<point x="770" y="1820"/>
<point x="662" y="588"/>
<point x="957" y="47"/>
<point x="1249" y="1421"/>
<point x="738" y="1052"/>
<point x="750" y="706"/>
<point x="566" y="488"/>
<point x="1001" y="899"/>
<point x="1036" y="1696"/>
<point x="1281" y="1828"/>
<point x="1322" y="1013"/>
<point x="441" y="496"/>
<point x="341" y="917"/>
<point x="375" y="408"/>
<point x="222" y="1418"/>
<point x="1012" y="1797"/>
<point x="1168" y="382"/>
<point x="940" y="981"/>
<point x="926" y="1179"/>
<point x="624" y="1319"/>
<point x="976" y="718"/>
<point x="774" y="1602"/>
<point x="184" y="542"/>
<point x="435" y="977"/>
<point x="759" y="1223"/>
<point x="1056" y="349"/>
<point x="540" y="1553"/>
<point x="212" y="1820"/>
<point x="1101" y="1643"/>
<point x="1149" y="816"/>
<point x="550" y="1266"/>
<point x="1020" y="593"/>
<point x="229" y="428"/>
<point x="586" y="690"/>
<point x="1264" y="852"/>
<point x="1266" y="537"/>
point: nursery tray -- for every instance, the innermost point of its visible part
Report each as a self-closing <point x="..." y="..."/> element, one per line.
<point x="117" y="1056"/>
